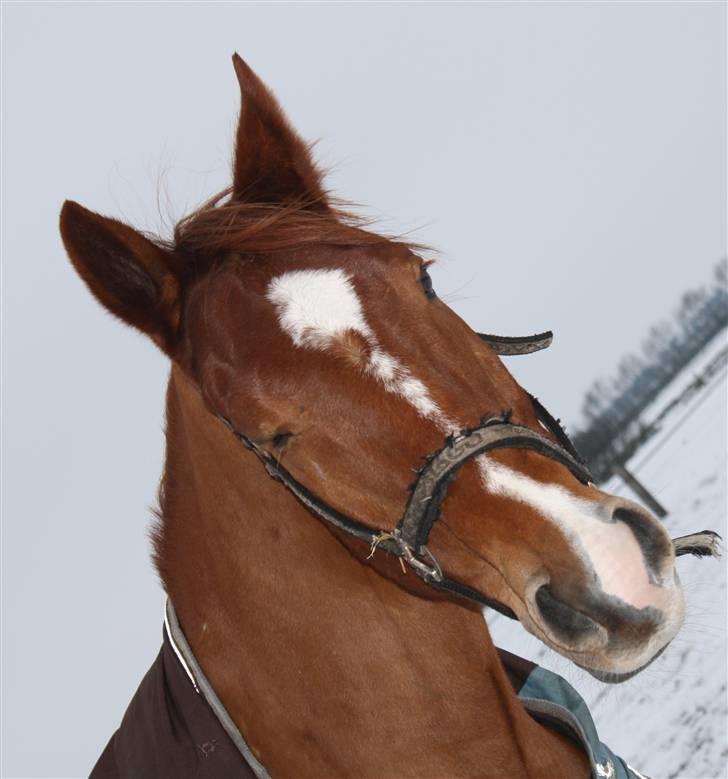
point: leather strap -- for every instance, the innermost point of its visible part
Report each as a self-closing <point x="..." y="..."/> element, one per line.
<point x="509" y="345"/>
<point x="433" y="480"/>
<point x="706" y="543"/>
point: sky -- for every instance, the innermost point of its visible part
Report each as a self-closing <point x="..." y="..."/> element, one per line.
<point x="567" y="159"/>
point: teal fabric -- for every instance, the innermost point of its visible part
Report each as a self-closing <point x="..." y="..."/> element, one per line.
<point x="549" y="693"/>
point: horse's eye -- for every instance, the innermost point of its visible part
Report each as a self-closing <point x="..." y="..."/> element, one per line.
<point x="426" y="283"/>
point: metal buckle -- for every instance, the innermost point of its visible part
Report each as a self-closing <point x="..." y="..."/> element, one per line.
<point x="407" y="554"/>
<point x="431" y="571"/>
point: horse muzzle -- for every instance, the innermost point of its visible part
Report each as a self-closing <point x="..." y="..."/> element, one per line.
<point x="607" y="637"/>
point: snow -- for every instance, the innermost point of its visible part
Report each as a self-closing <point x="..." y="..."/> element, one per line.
<point x="670" y="721"/>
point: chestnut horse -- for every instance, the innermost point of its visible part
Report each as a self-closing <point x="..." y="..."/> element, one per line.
<point x="324" y="348"/>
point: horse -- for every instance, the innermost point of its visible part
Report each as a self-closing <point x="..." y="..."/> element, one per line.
<point x="352" y="475"/>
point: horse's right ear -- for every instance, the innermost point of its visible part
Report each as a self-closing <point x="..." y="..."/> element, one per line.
<point x="127" y="273"/>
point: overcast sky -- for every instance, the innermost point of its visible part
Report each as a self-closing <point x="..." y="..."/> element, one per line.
<point x="568" y="159"/>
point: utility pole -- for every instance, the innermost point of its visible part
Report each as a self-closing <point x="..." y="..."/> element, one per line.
<point x="640" y="490"/>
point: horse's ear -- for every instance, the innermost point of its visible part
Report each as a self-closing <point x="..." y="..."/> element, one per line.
<point x="272" y="163"/>
<point x="131" y="276"/>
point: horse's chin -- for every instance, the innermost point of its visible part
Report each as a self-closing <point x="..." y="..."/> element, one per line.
<point x="608" y="667"/>
<point x="612" y="677"/>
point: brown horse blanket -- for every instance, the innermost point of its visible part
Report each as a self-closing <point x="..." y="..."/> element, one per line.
<point x="170" y="731"/>
<point x="177" y="728"/>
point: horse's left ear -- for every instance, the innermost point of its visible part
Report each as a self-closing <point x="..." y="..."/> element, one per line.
<point x="273" y="164"/>
<point x="127" y="273"/>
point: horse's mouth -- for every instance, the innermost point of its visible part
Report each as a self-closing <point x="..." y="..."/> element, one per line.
<point x="600" y="633"/>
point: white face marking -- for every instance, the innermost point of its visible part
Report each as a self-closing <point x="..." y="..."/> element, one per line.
<point x="317" y="306"/>
<point x="610" y="547"/>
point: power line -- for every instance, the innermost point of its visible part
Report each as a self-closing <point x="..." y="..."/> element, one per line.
<point x="705" y="395"/>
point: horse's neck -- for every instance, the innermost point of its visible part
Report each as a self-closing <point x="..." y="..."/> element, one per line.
<point x="326" y="667"/>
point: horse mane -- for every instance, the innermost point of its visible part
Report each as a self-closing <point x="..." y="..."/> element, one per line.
<point x="225" y="224"/>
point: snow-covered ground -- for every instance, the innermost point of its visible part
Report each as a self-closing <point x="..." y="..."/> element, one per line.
<point x="670" y="721"/>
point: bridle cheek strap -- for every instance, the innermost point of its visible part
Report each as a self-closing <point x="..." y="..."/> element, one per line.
<point x="408" y="540"/>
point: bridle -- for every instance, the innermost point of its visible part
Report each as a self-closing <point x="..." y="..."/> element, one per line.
<point x="408" y="540"/>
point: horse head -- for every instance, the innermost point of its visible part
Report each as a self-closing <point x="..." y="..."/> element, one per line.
<point x="328" y="352"/>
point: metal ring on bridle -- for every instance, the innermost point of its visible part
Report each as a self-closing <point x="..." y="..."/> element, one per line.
<point x="431" y="572"/>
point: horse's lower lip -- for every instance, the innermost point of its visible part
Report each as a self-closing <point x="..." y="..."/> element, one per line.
<point x="610" y="677"/>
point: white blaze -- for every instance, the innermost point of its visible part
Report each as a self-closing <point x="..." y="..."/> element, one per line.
<point x="317" y="306"/>
<point x="610" y="547"/>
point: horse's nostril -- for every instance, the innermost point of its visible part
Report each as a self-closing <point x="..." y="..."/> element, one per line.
<point x="653" y="541"/>
<point x="565" y="621"/>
